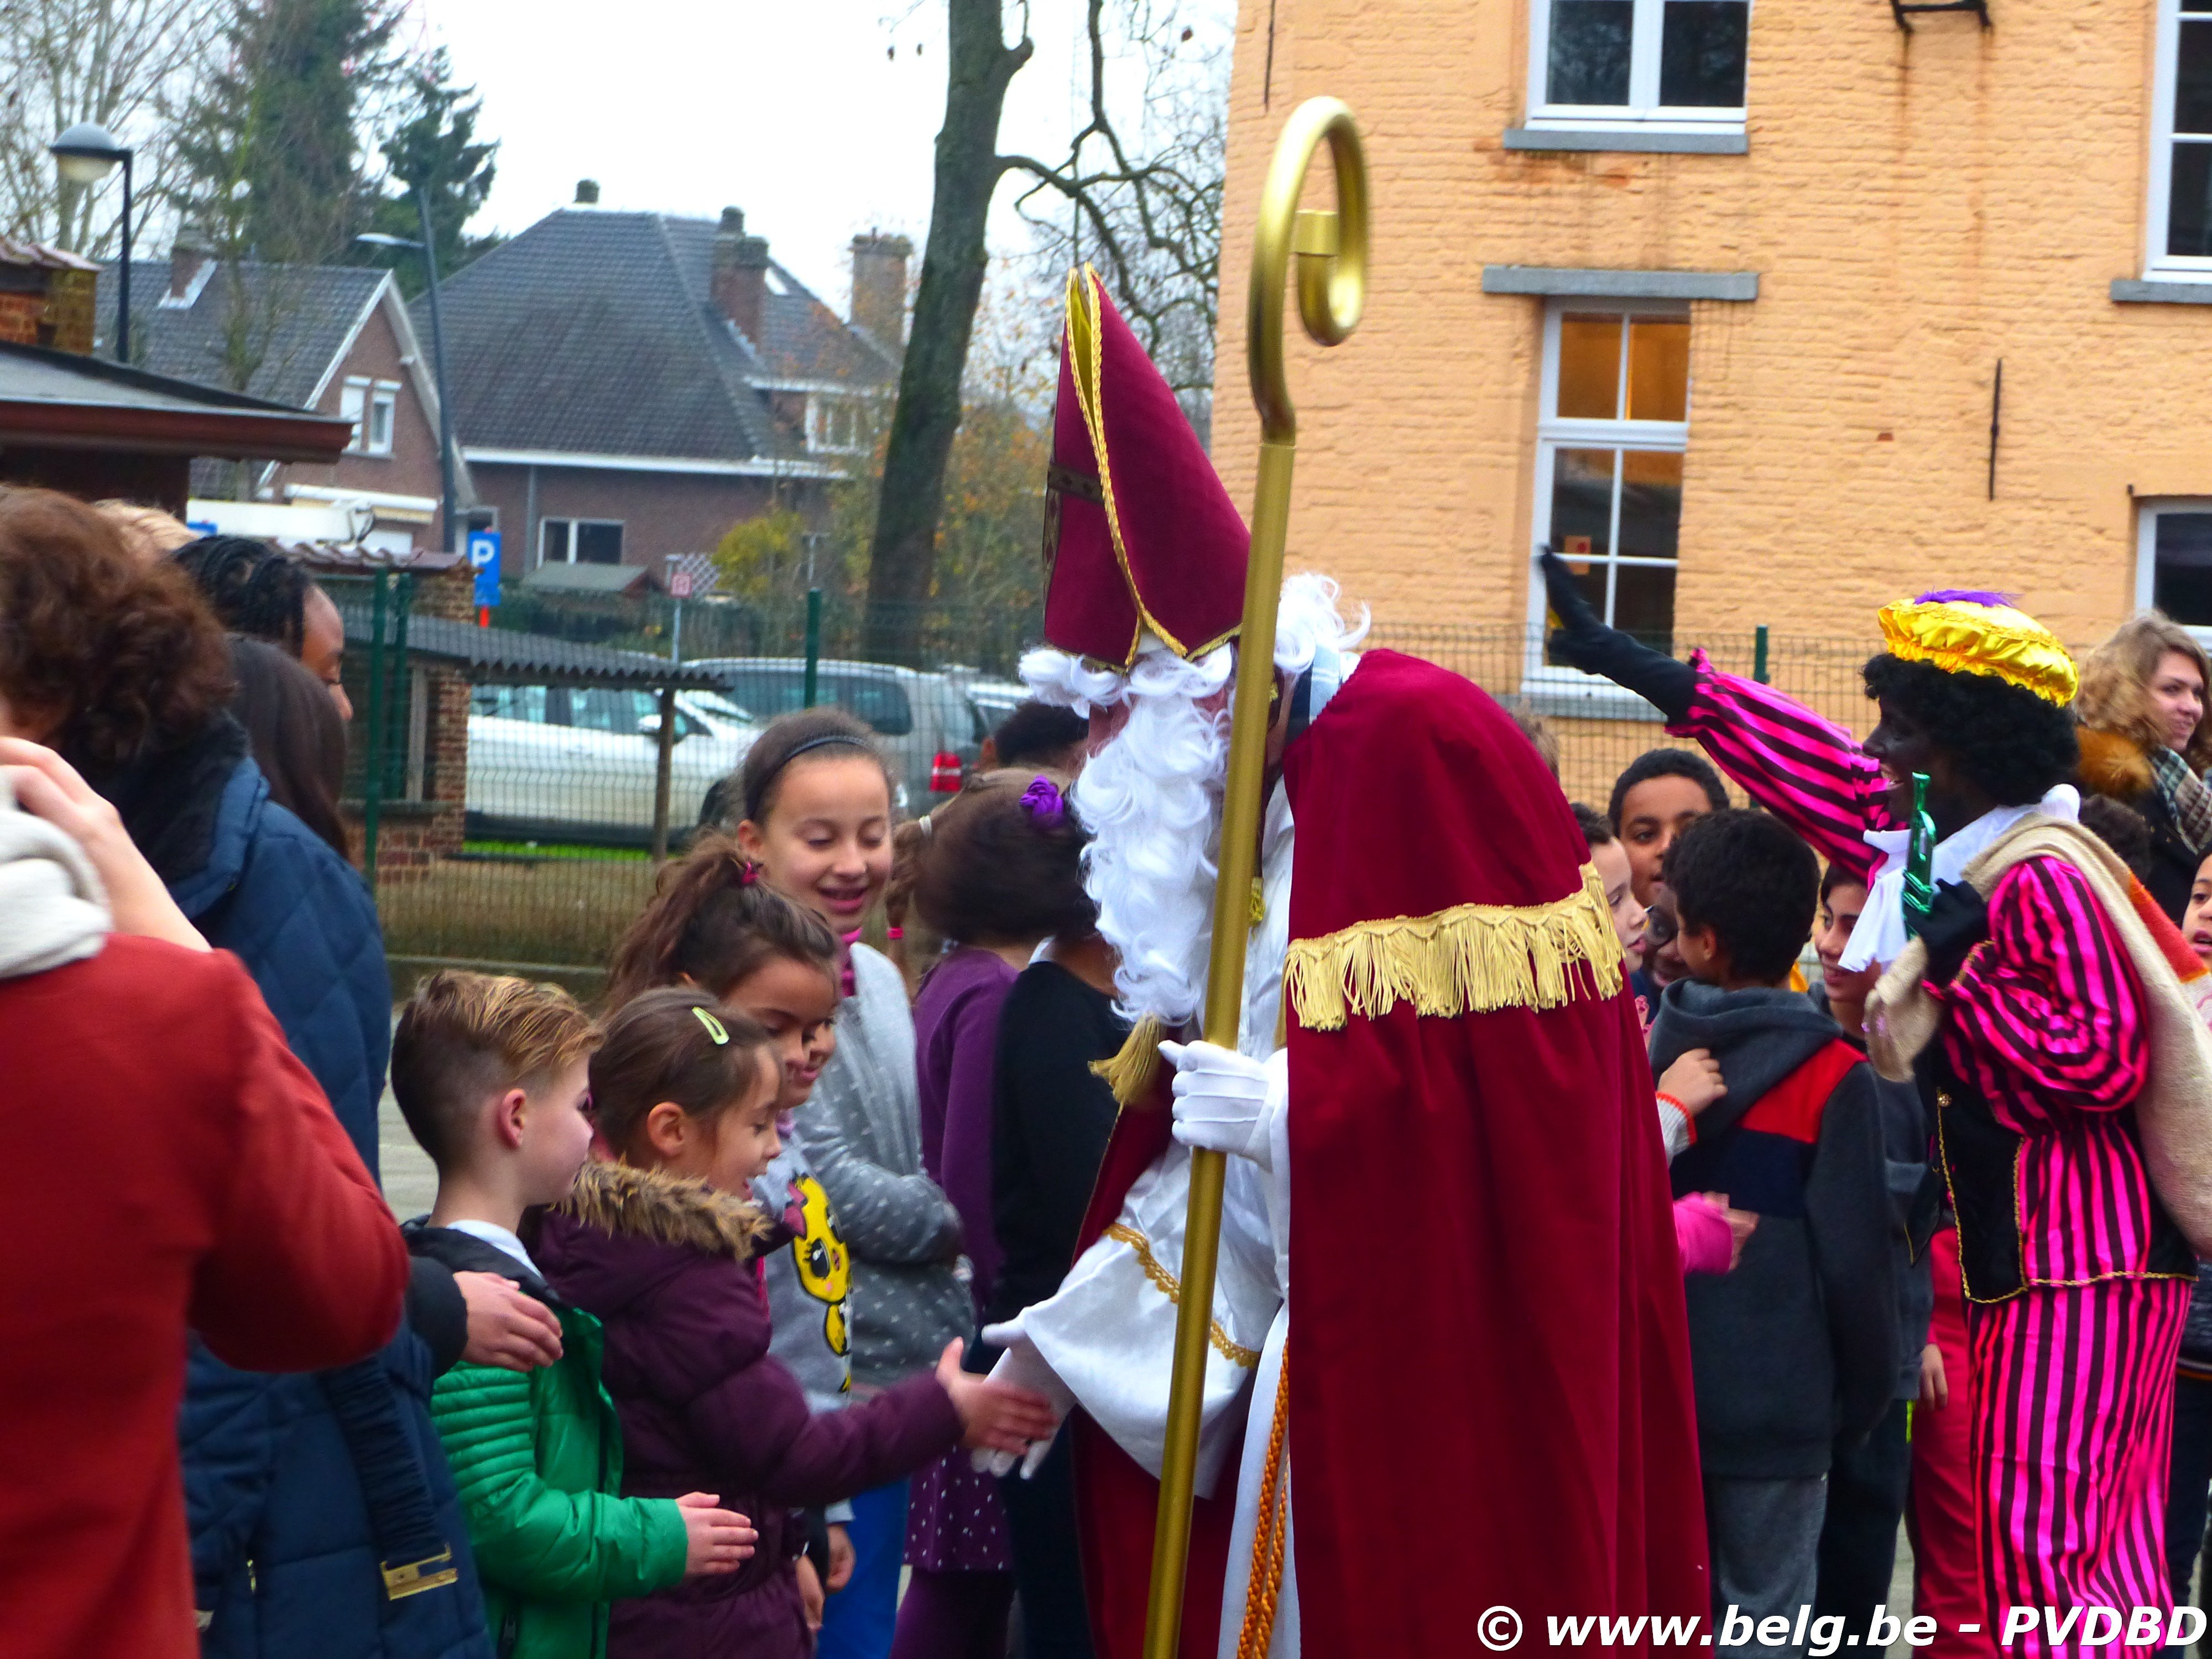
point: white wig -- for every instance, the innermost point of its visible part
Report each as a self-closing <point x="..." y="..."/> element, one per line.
<point x="1152" y="796"/>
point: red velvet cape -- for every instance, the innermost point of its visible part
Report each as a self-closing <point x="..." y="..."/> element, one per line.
<point x="1491" y="1402"/>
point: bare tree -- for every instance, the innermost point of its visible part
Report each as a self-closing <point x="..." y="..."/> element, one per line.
<point x="1150" y="212"/>
<point x="128" y="65"/>
<point x="1145" y="208"/>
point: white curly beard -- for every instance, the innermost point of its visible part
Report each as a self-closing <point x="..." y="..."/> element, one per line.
<point x="1152" y="795"/>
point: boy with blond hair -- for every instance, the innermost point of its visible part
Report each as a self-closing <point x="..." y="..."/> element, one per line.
<point x="489" y="1072"/>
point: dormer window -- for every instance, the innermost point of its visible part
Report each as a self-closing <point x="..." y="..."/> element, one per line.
<point x="834" y="424"/>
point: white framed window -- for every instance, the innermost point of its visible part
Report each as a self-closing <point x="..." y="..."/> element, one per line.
<point x="1675" y="65"/>
<point x="836" y="424"/>
<point x="2180" y="216"/>
<point x="372" y="406"/>
<point x="580" y="541"/>
<point x="1613" y="426"/>
<point x="2174" y="560"/>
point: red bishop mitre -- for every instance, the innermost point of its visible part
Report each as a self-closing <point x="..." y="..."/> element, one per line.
<point x="1139" y="533"/>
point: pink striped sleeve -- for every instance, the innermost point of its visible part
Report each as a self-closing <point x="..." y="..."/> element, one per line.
<point x="1811" y="775"/>
<point x="2048" y="1009"/>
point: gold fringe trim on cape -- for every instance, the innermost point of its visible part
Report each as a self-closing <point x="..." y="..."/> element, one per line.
<point x="1470" y="959"/>
<point x="1129" y="1074"/>
<point x="1171" y="1287"/>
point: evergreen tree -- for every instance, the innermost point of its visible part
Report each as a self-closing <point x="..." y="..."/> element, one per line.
<point x="434" y="149"/>
<point x="271" y="145"/>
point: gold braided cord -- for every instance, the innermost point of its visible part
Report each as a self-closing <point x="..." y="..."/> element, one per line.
<point x="1129" y="1074"/>
<point x="1264" y="1591"/>
<point x="1171" y="1287"/>
<point x="1470" y="959"/>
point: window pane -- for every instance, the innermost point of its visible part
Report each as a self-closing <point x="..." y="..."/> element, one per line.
<point x="2182" y="583"/>
<point x="1590" y="50"/>
<point x="1701" y="54"/>
<point x="2189" y="207"/>
<point x="1651" y="505"/>
<point x="598" y="543"/>
<point x="2192" y="78"/>
<point x="1581" y="503"/>
<point x="557" y="705"/>
<point x="553" y="541"/>
<point x="1589" y="367"/>
<point x="1590" y="579"/>
<point x="1644" y="603"/>
<point x="881" y="702"/>
<point x="1659" y="368"/>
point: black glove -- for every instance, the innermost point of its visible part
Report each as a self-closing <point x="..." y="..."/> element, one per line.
<point x="1588" y="644"/>
<point x="1957" y="920"/>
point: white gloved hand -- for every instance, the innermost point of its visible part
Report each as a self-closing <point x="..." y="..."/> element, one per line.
<point x="1227" y="1102"/>
<point x="1021" y="1366"/>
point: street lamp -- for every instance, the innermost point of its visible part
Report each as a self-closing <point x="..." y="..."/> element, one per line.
<point x="85" y="155"/>
<point x="429" y="252"/>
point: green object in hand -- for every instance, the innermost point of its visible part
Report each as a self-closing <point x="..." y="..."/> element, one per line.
<point x="1919" y="859"/>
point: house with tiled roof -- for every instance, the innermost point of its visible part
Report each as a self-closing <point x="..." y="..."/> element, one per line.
<point x="336" y="339"/>
<point x="631" y="385"/>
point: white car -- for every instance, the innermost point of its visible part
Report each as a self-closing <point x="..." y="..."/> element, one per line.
<point x="557" y="763"/>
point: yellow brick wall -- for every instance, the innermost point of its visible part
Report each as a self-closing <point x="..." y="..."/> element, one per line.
<point x="1917" y="207"/>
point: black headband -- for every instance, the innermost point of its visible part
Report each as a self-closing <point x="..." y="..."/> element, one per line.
<point x="757" y="795"/>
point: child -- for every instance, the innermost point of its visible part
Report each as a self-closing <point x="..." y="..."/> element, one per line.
<point x="817" y="799"/>
<point x="661" y="1246"/>
<point x="1794" y="1353"/>
<point x="714" y="925"/>
<point x="489" y="1072"/>
<point x="1654" y="800"/>
<point x="1000" y="873"/>
<point x="1708" y="1234"/>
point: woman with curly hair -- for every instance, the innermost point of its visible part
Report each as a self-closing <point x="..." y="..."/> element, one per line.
<point x="2145" y="742"/>
<point x="2029" y="1008"/>
<point x="121" y="666"/>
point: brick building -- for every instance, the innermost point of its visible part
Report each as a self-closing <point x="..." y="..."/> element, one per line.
<point x="336" y="339"/>
<point x="45" y="296"/>
<point x="628" y="385"/>
<point x="1713" y="296"/>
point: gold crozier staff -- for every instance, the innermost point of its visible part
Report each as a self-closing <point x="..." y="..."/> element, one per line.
<point x="1332" y="249"/>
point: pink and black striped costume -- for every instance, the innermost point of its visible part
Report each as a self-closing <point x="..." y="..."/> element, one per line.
<point x="2076" y="1281"/>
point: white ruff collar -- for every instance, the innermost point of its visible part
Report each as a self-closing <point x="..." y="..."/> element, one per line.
<point x="1880" y="937"/>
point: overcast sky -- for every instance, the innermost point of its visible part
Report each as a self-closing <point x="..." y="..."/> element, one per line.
<point x="817" y="117"/>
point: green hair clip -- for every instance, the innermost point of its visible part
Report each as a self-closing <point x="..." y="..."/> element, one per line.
<point x="716" y="1029"/>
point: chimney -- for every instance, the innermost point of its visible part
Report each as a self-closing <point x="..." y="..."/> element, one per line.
<point x="879" y="287"/>
<point x="187" y="254"/>
<point x="588" y="192"/>
<point x="740" y="274"/>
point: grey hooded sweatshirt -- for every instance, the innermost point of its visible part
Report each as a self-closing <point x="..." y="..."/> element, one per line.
<point x="1795" y="1352"/>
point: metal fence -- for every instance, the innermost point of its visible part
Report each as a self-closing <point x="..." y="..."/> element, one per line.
<point x="514" y="816"/>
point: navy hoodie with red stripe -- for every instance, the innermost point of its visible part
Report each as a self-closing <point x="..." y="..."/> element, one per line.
<point x="1794" y="1353"/>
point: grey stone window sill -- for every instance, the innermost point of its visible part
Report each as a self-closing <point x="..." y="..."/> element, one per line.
<point x="2129" y="291"/>
<point x="1575" y="283"/>
<point x="1615" y="138"/>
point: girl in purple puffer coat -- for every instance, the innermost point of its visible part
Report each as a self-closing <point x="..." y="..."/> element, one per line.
<point x="660" y="1247"/>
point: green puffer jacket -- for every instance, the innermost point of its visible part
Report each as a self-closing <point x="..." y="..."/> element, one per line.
<point x="537" y="1459"/>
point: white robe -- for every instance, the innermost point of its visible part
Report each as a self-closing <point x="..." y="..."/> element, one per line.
<point x="1110" y="1330"/>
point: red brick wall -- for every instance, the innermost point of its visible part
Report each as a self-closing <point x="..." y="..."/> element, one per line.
<point x="661" y="512"/>
<point x="20" y="314"/>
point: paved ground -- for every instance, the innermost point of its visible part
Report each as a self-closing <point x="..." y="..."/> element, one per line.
<point x="409" y="1182"/>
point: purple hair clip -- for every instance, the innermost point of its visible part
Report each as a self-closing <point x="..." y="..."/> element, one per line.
<point x="1043" y="802"/>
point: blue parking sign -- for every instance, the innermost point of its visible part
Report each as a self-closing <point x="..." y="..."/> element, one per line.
<point x="483" y="549"/>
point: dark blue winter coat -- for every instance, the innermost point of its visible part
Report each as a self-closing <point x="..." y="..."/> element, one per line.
<point x="284" y="1561"/>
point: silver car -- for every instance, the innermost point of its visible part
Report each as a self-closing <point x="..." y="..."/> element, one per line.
<point x="577" y="763"/>
<point x="929" y="731"/>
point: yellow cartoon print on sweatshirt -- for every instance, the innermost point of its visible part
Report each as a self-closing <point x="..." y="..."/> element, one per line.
<point x="824" y="1265"/>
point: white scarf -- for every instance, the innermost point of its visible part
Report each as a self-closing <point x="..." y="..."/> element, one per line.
<point x="1881" y="936"/>
<point x="52" y="907"/>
